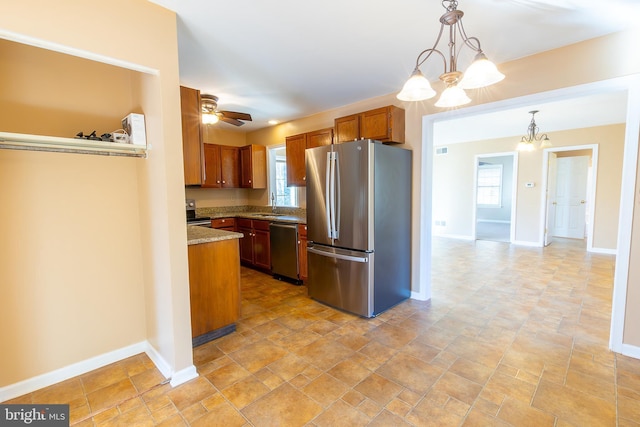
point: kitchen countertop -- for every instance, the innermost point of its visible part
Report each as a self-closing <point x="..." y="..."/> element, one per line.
<point x="197" y="235"/>
<point x="266" y="216"/>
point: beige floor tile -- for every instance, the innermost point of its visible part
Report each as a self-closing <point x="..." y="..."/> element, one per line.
<point x="572" y="406"/>
<point x="378" y="388"/>
<point x="325" y="389"/>
<point x="245" y="391"/>
<point x="221" y="416"/>
<point x="410" y="372"/>
<point x="521" y="414"/>
<point x="283" y="406"/>
<point x="191" y="392"/>
<point x="341" y="414"/>
<point x="111" y="395"/>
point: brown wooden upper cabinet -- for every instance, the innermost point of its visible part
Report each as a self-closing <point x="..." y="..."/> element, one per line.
<point x="191" y="135"/>
<point x="221" y="166"/>
<point x="296" y="145"/>
<point x="384" y="124"/>
<point x="253" y="166"/>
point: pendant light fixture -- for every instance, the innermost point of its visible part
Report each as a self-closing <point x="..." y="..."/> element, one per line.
<point x="527" y="142"/>
<point x="481" y="72"/>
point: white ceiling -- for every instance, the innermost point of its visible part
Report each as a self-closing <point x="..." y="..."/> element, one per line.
<point x="286" y="59"/>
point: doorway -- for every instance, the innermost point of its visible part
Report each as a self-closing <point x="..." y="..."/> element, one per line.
<point x="570" y="193"/>
<point x="495" y="195"/>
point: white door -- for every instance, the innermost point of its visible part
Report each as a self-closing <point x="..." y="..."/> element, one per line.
<point x="551" y="198"/>
<point x="571" y="196"/>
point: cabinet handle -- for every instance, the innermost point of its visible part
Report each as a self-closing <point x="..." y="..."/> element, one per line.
<point x="224" y="182"/>
<point x="217" y="182"/>
<point x="249" y="181"/>
<point x="304" y="178"/>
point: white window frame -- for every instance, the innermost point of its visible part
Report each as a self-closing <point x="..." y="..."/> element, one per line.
<point x="498" y="204"/>
<point x="273" y="187"/>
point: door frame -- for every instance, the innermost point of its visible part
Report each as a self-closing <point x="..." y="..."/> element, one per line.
<point x="631" y="85"/>
<point x="591" y="189"/>
<point x="514" y="192"/>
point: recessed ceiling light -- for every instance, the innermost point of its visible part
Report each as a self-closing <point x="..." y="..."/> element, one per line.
<point x="273" y="122"/>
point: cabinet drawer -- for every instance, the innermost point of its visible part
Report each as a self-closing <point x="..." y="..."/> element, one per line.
<point x="260" y="225"/>
<point x="223" y="222"/>
<point x="243" y="223"/>
<point x="302" y="231"/>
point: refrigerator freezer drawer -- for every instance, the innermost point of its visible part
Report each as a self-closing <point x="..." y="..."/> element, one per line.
<point x="341" y="278"/>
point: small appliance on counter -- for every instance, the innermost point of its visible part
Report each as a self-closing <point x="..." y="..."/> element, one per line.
<point x="192" y="219"/>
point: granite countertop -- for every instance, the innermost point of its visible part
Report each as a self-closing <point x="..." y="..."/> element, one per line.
<point x="283" y="214"/>
<point x="263" y="216"/>
<point x="197" y="235"/>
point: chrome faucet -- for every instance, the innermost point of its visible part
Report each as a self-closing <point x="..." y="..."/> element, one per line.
<point x="273" y="203"/>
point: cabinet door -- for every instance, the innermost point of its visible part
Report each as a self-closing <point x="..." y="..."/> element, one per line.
<point x="320" y="138"/>
<point x="253" y="166"/>
<point x="212" y="176"/>
<point x="347" y="128"/>
<point x="383" y="124"/>
<point x="262" y="249"/>
<point x="302" y="251"/>
<point x="295" y="160"/>
<point x="230" y="166"/>
<point x="191" y="137"/>
<point x="246" y="245"/>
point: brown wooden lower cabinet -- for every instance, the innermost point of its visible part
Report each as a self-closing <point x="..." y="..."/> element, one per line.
<point x="214" y="285"/>
<point x="255" y="246"/>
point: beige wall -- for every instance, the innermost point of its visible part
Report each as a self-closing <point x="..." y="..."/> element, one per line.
<point x="110" y="271"/>
<point x="453" y="183"/>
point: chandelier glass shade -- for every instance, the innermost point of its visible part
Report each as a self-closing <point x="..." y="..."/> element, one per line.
<point x="527" y="142"/>
<point x="481" y="72"/>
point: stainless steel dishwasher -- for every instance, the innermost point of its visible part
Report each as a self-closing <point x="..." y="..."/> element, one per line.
<point x="284" y="251"/>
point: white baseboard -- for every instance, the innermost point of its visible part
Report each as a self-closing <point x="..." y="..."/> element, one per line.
<point x="527" y="243"/>
<point x="631" y="351"/>
<point x="494" y="221"/>
<point x="603" y="251"/>
<point x="183" y="375"/>
<point x="419" y="297"/>
<point x="45" y="380"/>
<point x="454" y="236"/>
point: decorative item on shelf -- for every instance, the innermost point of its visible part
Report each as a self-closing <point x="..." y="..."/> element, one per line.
<point x="120" y="136"/>
<point x="481" y="72"/>
<point x="91" y="137"/>
<point x="133" y="125"/>
<point x="527" y="143"/>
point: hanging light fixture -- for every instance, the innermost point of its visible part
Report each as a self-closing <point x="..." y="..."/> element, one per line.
<point x="527" y="142"/>
<point x="481" y="72"/>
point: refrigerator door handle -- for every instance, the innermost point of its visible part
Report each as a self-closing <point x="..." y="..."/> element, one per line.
<point x="331" y="157"/>
<point x="327" y="204"/>
<point x="338" y="256"/>
<point x="336" y="200"/>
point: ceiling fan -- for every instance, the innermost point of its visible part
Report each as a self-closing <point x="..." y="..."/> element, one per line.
<point x="210" y="113"/>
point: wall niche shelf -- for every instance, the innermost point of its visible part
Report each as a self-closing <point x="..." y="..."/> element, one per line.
<point x="19" y="141"/>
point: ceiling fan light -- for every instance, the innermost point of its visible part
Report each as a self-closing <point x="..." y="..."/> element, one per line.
<point x="481" y="73"/>
<point x="209" y="118"/>
<point x="417" y="88"/>
<point x="452" y="96"/>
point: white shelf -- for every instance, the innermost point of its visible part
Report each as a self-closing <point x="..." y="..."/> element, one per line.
<point x="19" y="141"/>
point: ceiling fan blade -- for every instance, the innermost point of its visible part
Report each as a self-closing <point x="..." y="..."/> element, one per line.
<point x="231" y="121"/>
<point x="236" y="115"/>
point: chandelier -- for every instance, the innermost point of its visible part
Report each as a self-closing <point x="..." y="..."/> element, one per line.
<point x="481" y="72"/>
<point x="527" y="143"/>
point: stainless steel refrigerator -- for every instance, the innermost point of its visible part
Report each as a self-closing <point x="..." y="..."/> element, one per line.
<point x="359" y="225"/>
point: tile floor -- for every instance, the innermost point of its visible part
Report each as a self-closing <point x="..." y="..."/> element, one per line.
<point x="512" y="337"/>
